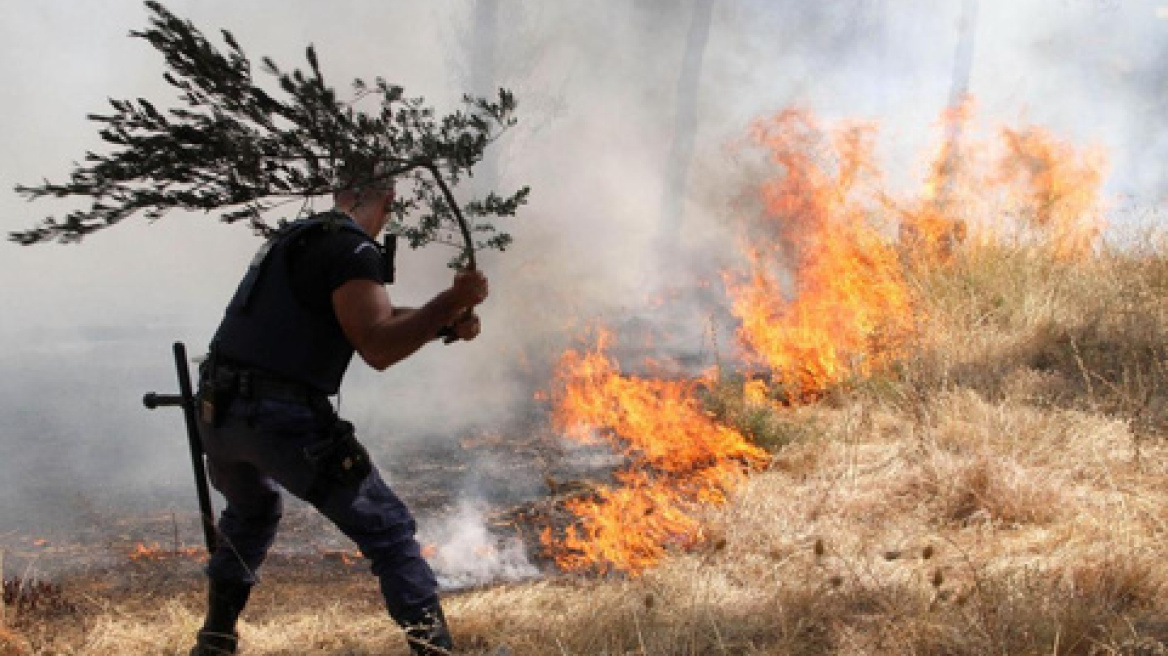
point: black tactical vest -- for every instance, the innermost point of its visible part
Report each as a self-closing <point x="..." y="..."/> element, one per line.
<point x="267" y="327"/>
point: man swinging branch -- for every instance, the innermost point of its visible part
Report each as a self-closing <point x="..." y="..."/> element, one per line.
<point x="314" y="296"/>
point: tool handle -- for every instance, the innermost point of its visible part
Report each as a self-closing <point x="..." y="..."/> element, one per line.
<point x="153" y="400"/>
<point x="187" y="401"/>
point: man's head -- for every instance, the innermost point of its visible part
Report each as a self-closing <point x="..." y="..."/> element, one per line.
<point x="365" y="192"/>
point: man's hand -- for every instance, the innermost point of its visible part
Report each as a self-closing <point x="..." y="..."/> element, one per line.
<point x="469" y="288"/>
<point x="466" y="327"/>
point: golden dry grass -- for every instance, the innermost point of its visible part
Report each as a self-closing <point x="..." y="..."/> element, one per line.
<point x="1004" y="491"/>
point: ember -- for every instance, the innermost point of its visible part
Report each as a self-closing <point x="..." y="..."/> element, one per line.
<point x="348" y="558"/>
<point x="154" y="551"/>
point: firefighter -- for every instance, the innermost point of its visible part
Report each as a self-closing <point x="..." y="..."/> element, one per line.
<point x="315" y="294"/>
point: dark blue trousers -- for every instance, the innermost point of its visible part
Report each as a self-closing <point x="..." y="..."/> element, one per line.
<point x="259" y="449"/>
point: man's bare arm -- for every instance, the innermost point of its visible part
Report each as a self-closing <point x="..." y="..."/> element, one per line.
<point x="384" y="335"/>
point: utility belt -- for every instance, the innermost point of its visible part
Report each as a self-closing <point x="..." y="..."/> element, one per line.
<point x="222" y="383"/>
<point x="340" y="461"/>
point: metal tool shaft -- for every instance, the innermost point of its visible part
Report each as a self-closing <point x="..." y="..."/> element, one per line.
<point x="186" y="400"/>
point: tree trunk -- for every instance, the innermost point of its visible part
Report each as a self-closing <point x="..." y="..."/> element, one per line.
<point x="484" y="78"/>
<point x="685" y="126"/>
<point x="959" y="92"/>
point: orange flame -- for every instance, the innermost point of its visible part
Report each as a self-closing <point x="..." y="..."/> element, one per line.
<point x="1026" y="186"/>
<point x="839" y="306"/>
<point x="144" y="552"/>
<point x="1054" y="188"/>
<point x="679" y="459"/>
<point x="348" y="557"/>
<point x="849" y="310"/>
<point x="935" y="225"/>
<point x="155" y="551"/>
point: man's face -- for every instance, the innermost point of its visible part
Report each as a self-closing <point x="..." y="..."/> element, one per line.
<point x="385" y="197"/>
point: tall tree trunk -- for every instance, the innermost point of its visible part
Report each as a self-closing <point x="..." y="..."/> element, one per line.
<point x="685" y="125"/>
<point x="959" y="92"/>
<point x="484" y="78"/>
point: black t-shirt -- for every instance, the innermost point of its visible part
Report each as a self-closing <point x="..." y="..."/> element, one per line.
<point x="322" y="260"/>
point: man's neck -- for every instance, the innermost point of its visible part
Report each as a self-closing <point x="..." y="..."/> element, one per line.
<point x="369" y="225"/>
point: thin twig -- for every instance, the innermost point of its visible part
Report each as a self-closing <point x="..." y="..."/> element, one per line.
<point x="987" y="623"/>
<point x="1084" y="372"/>
<point x="25" y="579"/>
<point x="174" y="525"/>
<point x="640" y="637"/>
<point x="3" y="606"/>
<point x="718" y="635"/>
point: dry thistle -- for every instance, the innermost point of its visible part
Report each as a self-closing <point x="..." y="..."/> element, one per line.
<point x="11" y="644"/>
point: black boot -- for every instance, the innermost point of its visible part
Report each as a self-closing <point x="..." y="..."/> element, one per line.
<point x="428" y="634"/>
<point x="225" y="601"/>
<point x="215" y="644"/>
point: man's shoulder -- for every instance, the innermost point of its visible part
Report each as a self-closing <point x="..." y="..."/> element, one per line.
<point x="332" y="230"/>
<point x="345" y="251"/>
<point x="330" y="222"/>
<point x="332" y="257"/>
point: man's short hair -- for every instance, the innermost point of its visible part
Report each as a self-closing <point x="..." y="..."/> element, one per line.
<point x="359" y="172"/>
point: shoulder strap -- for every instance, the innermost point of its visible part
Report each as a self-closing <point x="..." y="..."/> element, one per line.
<point x="330" y="221"/>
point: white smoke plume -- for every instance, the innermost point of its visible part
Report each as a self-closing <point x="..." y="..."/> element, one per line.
<point x="466" y="554"/>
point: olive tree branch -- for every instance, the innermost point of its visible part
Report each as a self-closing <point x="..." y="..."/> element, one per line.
<point x="232" y="147"/>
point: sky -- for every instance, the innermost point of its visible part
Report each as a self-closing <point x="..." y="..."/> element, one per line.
<point x="87" y="329"/>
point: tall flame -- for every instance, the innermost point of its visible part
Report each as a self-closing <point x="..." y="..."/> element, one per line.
<point x="848" y="310"/>
<point x="935" y="225"/>
<point x="678" y="460"/>
<point x="1054" y="189"/>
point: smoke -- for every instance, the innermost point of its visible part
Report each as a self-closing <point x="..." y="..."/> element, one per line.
<point x="1106" y="58"/>
<point x="88" y="328"/>
<point x="464" y="553"/>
